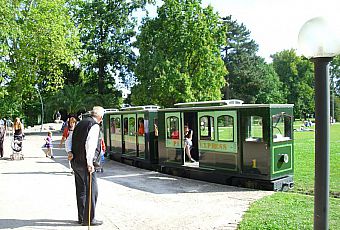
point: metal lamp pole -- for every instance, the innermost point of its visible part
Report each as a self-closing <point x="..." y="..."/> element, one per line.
<point x="42" y="109"/>
<point x="319" y="40"/>
<point x="322" y="150"/>
<point x="333" y="101"/>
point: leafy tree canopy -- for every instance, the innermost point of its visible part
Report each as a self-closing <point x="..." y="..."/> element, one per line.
<point x="297" y="77"/>
<point x="47" y="38"/>
<point x="107" y="28"/>
<point x="180" y="57"/>
<point x="36" y="38"/>
<point x="335" y="74"/>
<point x="250" y="78"/>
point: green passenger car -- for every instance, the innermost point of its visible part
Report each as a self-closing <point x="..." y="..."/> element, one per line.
<point x="248" y="145"/>
<point x="131" y="135"/>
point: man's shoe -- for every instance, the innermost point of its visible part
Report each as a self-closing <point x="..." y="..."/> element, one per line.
<point x="93" y="223"/>
<point x="80" y="221"/>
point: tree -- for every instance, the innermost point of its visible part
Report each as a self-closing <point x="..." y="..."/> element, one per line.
<point x="335" y="74"/>
<point x="296" y="74"/>
<point x="47" y="39"/>
<point x="337" y="108"/>
<point x="8" y="32"/>
<point x="37" y="37"/>
<point x="73" y="98"/>
<point x="107" y="29"/>
<point x="180" y="57"/>
<point x="335" y="86"/>
<point x="249" y="77"/>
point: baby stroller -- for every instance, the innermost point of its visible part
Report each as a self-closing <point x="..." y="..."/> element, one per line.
<point x="17" y="148"/>
<point x="99" y="158"/>
<point x="98" y="162"/>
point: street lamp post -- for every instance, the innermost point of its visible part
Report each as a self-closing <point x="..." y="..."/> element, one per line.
<point x="42" y="109"/>
<point x="318" y="42"/>
<point x="333" y="101"/>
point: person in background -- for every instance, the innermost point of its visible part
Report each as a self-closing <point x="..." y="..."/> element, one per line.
<point x="71" y="123"/>
<point x="175" y="134"/>
<point x="58" y="116"/>
<point x="156" y="130"/>
<point x="141" y="128"/>
<point x="2" y="138"/>
<point x="9" y="123"/>
<point x="82" y="146"/>
<point x="49" y="145"/>
<point x="2" y="122"/>
<point x="18" y="129"/>
<point x="188" y="142"/>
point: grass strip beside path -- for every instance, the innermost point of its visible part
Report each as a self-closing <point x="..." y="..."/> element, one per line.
<point x="287" y="211"/>
<point x="295" y="209"/>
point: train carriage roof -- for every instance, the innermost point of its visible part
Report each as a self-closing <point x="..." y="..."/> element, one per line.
<point x="229" y="107"/>
<point x="202" y="105"/>
<point x="134" y="109"/>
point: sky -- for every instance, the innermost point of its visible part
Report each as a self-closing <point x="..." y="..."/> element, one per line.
<point x="274" y="24"/>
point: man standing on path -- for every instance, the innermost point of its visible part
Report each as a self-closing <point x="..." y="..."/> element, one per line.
<point x="83" y="145"/>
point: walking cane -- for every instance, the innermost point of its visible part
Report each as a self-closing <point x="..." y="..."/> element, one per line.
<point x="90" y="191"/>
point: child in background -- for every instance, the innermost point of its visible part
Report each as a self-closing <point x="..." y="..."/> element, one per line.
<point x="49" y="145"/>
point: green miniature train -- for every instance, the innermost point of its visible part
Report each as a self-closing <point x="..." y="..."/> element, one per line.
<point x="247" y="145"/>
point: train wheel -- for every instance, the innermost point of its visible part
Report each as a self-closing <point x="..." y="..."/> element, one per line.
<point x="285" y="188"/>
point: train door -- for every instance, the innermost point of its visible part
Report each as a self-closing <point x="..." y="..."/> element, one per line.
<point x="153" y="132"/>
<point x="190" y="119"/>
<point x="107" y="122"/>
<point x="255" y="142"/>
<point x="130" y="135"/>
<point x="142" y="126"/>
<point x="115" y="136"/>
<point x="173" y="134"/>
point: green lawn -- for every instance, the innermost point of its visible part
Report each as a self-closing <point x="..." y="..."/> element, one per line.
<point x="304" y="161"/>
<point x="287" y="211"/>
<point x="294" y="210"/>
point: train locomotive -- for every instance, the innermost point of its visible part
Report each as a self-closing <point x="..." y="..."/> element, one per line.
<point x="247" y="145"/>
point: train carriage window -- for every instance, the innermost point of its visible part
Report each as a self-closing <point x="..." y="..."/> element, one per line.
<point x="207" y="128"/>
<point x="116" y="125"/>
<point x="132" y="126"/>
<point x="281" y="127"/>
<point x="126" y="126"/>
<point x="225" y="126"/>
<point x="172" y="127"/>
<point x="254" y="129"/>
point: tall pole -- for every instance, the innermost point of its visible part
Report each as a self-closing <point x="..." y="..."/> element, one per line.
<point x="42" y="109"/>
<point x="322" y="128"/>
<point x="333" y="101"/>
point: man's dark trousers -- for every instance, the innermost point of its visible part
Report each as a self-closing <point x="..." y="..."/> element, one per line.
<point x="81" y="175"/>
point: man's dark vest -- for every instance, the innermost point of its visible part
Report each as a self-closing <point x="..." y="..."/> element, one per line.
<point x="79" y="137"/>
